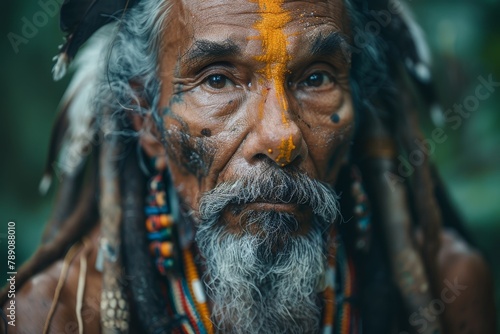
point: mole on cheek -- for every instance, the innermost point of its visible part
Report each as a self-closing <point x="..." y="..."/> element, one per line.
<point x="335" y="118"/>
<point x="206" y="132"/>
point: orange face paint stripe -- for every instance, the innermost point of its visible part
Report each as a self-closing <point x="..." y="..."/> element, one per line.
<point x="286" y="148"/>
<point x="274" y="45"/>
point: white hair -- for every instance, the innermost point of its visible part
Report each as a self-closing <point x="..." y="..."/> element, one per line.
<point x="268" y="281"/>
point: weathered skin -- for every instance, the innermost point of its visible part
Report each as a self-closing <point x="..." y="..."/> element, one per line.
<point x="34" y="300"/>
<point x="226" y="128"/>
<point x="264" y="109"/>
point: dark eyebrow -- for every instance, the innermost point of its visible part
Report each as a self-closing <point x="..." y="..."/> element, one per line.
<point x="204" y="51"/>
<point x="331" y="44"/>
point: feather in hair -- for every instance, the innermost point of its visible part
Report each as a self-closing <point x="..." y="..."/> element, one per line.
<point x="80" y="19"/>
<point x="74" y="130"/>
<point x="56" y="139"/>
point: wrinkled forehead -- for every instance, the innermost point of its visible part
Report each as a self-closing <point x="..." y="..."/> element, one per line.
<point x="229" y="18"/>
<point x="228" y="10"/>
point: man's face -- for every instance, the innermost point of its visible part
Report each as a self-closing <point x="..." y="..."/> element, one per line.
<point x="258" y="118"/>
<point x="254" y="86"/>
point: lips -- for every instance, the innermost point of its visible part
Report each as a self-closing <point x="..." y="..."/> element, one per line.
<point x="275" y="211"/>
<point x="298" y="221"/>
<point x="288" y="203"/>
<point x="288" y="193"/>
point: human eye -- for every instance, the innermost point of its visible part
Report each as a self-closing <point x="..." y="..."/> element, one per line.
<point x="218" y="81"/>
<point x="317" y="80"/>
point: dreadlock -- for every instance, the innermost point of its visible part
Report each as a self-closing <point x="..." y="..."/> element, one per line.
<point x="387" y="128"/>
<point x="95" y="143"/>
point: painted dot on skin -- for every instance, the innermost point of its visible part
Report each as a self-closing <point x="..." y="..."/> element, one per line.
<point x="270" y="151"/>
<point x="206" y="132"/>
<point x="335" y="118"/>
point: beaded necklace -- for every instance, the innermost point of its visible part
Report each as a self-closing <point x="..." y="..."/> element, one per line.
<point x="185" y="293"/>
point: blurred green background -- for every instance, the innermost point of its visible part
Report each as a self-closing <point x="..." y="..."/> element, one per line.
<point x="465" y="42"/>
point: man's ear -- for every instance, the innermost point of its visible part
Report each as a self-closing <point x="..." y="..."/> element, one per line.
<point x="149" y="138"/>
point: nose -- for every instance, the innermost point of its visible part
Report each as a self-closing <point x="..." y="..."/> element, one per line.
<point x="275" y="134"/>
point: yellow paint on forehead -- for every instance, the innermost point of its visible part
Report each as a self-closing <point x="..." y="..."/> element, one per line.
<point x="274" y="48"/>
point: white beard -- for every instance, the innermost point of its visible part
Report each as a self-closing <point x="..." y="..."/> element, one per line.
<point x="252" y="295"/>
<point x="266" y="282"/>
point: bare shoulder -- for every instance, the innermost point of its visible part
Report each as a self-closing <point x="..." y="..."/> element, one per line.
<point x="459" y="259"/>
<point x="34" y="300"/>
<point x="466" y="287"/>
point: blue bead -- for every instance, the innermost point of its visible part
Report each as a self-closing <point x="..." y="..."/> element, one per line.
<point x="160" y="235"/>
<point x="152" y="210"/>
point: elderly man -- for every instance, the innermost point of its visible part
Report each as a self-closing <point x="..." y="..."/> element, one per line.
<point x="232" y="166"/>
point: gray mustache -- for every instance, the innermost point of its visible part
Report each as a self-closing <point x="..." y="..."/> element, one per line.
<point x="272" y="185"/>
